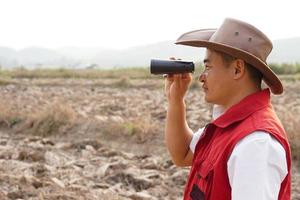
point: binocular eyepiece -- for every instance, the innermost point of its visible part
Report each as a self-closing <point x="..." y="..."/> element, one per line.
<point x="171" y="67"/>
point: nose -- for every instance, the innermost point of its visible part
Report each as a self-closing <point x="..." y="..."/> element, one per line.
<point x="202" y="77"/>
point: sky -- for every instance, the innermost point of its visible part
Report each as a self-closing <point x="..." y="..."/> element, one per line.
<point x="121" y="24"/>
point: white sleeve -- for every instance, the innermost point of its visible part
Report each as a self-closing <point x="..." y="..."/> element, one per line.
<point x="195" y="139"/>
<point x="256" y="167"/>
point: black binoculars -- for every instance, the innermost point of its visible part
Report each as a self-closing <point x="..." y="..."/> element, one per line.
<point x="171" y="67"/>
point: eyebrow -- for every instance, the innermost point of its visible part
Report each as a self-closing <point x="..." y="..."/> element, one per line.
<point x="206" y="60"/>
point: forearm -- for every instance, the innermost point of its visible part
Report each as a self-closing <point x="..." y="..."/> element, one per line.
<point x="177" y="133"/>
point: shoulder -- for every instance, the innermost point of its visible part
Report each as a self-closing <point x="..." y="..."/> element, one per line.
<point x="259" y="139"/>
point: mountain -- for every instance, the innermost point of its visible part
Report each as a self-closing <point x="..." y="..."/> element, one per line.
<point x="8" y="57"/>
<point x="35" y="56"/>
<point x="141" y="55"/>
<point x="80" y="53"/>
<point x="284" y="51"/>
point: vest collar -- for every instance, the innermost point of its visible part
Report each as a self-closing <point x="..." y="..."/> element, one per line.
<point x="244" y="108"/>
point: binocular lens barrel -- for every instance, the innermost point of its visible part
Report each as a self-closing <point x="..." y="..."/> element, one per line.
<point x="171" y="67"/>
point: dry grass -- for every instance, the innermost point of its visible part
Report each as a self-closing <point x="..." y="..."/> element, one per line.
<point x="131" y="72"/>
<point x="6" y="81"/>
<point x="51" y="119"/>
<point x="77" y="73"/>
<point x="123" y="82"/>
<point x="292" y="127"/>
<point x="290" y="77"/>
<point x="8" y="116"/>
<point x="140" y="128"/>
<point x="55" y="118"/>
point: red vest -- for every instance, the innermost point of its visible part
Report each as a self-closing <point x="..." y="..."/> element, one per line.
<point x="208" y="177"/>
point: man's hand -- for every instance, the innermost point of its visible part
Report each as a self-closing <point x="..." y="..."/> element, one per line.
<point x="176" y="86"/>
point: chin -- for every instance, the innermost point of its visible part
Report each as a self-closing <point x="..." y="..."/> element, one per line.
<point x="207" y="99"/>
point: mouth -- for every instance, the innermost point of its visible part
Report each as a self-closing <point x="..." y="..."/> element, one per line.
<point x="204" y="88"/>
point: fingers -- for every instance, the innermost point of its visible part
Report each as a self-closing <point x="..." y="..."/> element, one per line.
<point x="177" y="77"/>
<point x="173" y="58"/>
<point x="183" y="76"/>
<point x="169" y="77"/>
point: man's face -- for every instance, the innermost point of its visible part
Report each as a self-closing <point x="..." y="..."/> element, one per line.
<point x="216" y="79"/>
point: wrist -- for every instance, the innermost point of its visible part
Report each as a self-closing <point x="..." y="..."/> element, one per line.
<point x="178" y="103"/>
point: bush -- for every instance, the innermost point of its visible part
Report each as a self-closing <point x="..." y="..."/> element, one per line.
<point x="8" y="116"/>
<point x="139" y="128"/>
<point x="123" y="82"/>
<point x="56" y="118"/>
<point x="285" y="68"/>
<point x="137" y="72"/>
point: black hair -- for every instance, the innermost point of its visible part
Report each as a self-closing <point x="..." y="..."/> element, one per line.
<point x="254" y="73"/>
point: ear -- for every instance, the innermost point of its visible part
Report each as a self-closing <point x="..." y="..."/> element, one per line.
<point x="238" y="69"/>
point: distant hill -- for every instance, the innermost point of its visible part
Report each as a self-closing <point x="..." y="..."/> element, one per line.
<point x="8" y="57"/>
<point x="33" y="57"/>
<point x="141" y="55"/>
<point x="285" y="50"/>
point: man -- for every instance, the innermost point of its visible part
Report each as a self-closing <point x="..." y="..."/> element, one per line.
<point x="243" y="153"/>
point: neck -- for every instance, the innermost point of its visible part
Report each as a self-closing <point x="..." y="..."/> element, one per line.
<point x="238" y="96"/>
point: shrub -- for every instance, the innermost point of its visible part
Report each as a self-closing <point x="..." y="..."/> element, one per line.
<point x="56" y="118"/>
<point x="285" y="68"/>
<point x="8" y="116"/>
<point x="123" y="82"/>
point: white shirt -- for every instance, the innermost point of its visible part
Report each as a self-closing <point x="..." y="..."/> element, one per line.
<point x="256" y="166"/>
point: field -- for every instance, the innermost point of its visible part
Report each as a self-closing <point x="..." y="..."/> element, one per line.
<point x="91" y="135"/>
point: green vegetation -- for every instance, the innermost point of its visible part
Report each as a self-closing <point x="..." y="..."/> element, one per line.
<point x="285" y="68"/>
<point x="131" y="72"/>
<point x="77" y="73"/>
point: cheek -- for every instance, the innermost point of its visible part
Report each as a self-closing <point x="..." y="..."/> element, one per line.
<point x="217" y="81"/>
<point x="213" y="77"/>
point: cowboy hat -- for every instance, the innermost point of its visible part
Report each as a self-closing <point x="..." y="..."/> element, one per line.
<point x="240" y="40"/>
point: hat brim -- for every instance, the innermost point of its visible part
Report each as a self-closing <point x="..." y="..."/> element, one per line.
<point x="200" y="38"/>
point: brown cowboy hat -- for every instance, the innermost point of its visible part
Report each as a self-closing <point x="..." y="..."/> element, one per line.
<point x="240" y="40"/>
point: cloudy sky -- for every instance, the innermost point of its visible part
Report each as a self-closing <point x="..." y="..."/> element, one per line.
<point x="120" y="24"/>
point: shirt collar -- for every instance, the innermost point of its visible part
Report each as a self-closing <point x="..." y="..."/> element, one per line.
<point x="241" y="110"/>
<point x="217" y="111"/>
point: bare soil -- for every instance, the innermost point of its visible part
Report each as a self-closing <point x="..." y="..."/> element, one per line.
<point x="111" y="145"/>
